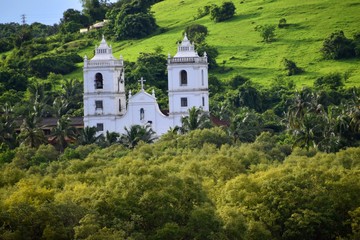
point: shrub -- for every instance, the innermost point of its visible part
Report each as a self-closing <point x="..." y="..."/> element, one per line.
<point x="331" y="81"/>
<point x="202" y="12"/>
<point x="291" y="67"/>
<point x="337" y="46"/>
<point x="135" y="26"/>
<point x="282" y="23"/>
<point x="267" y="32"/>
<point x="196" y="32"/>
<point x="222" y="13"/>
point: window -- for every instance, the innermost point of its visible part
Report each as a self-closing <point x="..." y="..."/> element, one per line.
<point x="202" y="77"/>
<point x="184" y="102"/>
<point x="98" y="104"/>
<point x="99" y="127"/>
<point x="183" y="78"/>
<point x="98" y="81"/>
<point x="119" y="105"/>
<point x="142" y="114"/>
<point x="203" y="101"/>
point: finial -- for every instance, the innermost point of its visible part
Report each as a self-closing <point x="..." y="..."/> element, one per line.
<point x="129" y="93"/>
<point x="153" y="93"/>
<point x="205" y="54"/>
<point x="103" y="37"/>
<point x="85" y="57"/>
<point x="186" y="38"/>
<point x="169" y="56"/>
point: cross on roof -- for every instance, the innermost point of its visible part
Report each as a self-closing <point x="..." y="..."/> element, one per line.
<point x="142" y="80"/>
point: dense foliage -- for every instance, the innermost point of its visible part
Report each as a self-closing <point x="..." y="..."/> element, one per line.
<point x="193" y="186"/>
<point x="223" y="12"/>
<point x="285" y="164"/>
<point x="337" y="46"/>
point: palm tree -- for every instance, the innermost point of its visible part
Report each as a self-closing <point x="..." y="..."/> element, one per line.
<point x="60" y="106"/>
<point x="245" y="126"/>
<point x="7" y="126"/>
<point x="63" y="133"/>
<point x="197" y="119"/>
<point x="137" y="133"/>
<point x="111" y="137"/>
<point x="72" y="92"/>
<point x="88" y="136"/>
<point x="30" y="132"/>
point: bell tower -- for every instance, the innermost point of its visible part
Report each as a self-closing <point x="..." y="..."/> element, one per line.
<point x="104" y="89"/>
<point x="187" y="81"/>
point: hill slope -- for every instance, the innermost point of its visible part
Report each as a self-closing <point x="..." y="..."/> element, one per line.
<point x="310" y="22"/>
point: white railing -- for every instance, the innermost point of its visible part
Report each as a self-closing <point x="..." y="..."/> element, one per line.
<point x="188" y="60"/>
<point x="103" y="63"/>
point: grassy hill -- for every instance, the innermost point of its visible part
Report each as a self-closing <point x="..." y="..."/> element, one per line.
<point x="310" y="22"/>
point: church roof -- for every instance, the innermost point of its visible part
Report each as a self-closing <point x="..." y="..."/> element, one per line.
<point x="103" y="51"/>
<point x="142" y="96"/>
<point x="186" y="49"/>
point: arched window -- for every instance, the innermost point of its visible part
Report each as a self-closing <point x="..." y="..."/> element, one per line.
<point x="119" y="105"/>
<point x="183" y="78"/>
<point x="98" y="81"/>
<point x="142" y="114"/>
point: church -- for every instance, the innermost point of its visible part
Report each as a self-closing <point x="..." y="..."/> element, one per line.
<point x="109" y="106"/>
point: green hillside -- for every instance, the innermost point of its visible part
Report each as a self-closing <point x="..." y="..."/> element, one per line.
<point x="310" y="22"/>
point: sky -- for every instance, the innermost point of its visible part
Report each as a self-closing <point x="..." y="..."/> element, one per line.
<point x="47" y="12"/>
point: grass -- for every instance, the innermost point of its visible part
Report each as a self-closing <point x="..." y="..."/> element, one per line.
<point x="241" y="47"/>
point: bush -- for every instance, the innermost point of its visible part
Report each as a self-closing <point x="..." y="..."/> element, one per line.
<point x="135" y="26"/>
<point x="282" y="23"/>
<point x="337" y="46"/>
<point x="196" y="32"/>
<point x="211" y="52"/>
<point x="267" y="32"/>
<point x="291" y="67"/>
<point x="202" y="12"/>
<point x="222" y="13"/>
<point x="59" y="64"/>
<point x="331" y="81"/>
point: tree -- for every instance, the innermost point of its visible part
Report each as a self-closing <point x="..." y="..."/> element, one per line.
<point x="94" y="9"/>
<point x="337" y="46"/>
<point x="211" y="53"/>
<point x="137" y="133"/>
<point x="7" y="126"/>
<point x="245" y="126"/>
<point x="267" y="32"/>
<point x="88" y="135"/>
<point x="30" y="132"/>
<point x="196" y="33"/>
<point x="222" y="13"/>
<point x="63" y="133"/>
<point x="291" y="68"/>
<point x="135" y="26"/>
<point x="75" y="16"/>
<point x="197" y="119"/>
<point x="331" y="81"/>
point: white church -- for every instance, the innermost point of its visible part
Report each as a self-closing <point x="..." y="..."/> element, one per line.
<point x="109" y="106"/>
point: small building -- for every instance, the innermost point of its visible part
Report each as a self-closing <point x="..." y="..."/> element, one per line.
<point x="109" y="106"/>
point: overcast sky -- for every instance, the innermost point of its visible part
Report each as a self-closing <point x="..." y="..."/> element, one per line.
<point x="47" y="12"/>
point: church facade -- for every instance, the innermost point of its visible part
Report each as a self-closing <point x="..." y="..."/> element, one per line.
<point x="109" y="106"/>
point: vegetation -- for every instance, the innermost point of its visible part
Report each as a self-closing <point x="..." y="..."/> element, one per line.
<point x="223" y="12"/>
<point x="194" y="186"/>
<point x="337" y="46"/>
<point x="283" y="165"/>
<point x="267" y="32"/>
<point x="291" y="67"/>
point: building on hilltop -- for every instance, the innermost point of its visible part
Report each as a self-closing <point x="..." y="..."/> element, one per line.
<point x="109" y="108"/>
